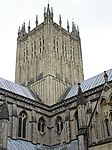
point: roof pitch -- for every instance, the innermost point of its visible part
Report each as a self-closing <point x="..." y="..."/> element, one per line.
<point x="16" y="88"/>
<point x="25" y="145"/>
<point x="89" y="84"/>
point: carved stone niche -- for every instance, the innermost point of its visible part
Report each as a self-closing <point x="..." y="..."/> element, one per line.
<point x="105" y="114"/>
<point x="106" y="88"/>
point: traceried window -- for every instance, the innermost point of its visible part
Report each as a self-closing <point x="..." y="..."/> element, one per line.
<point x="57" y="42"/>
<point x="40" y="41"/>
<point x="111" y="99"/>
<point x="54" y="41"/>
<point x="32" y="51"/>
<point x="59" y="124"/>
<point x="107" y="127"/>
<point x="24" y="55"/>
<point x="92" y="134"/>
<point x="22" y="124"/>
<point x="43" y="41"/>
<point x="41" y="125"/>
<point x="97" y="129"/>
<point x="111" y="120"/>
<point x="34" y="46"/>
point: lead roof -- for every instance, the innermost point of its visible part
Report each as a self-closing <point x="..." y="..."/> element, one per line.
<point x="89" y="84"/>
<point x="85" y="86"/>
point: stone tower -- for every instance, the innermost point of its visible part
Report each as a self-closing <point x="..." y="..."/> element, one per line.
<point x="48" y="58"/>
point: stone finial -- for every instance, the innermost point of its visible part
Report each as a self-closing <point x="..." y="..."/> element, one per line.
<point x="19" y="32"/>
<point x="45" y="13"/>
<point x="73" y="27"/>
<point x="24" y="29"/>
<point x="79" y="90"/>
<point x="60" y="22"/>
<point x="78" y="30"/>
<point x="29" y="26"/>
<point x="105" y="76"/>
<point x="52" y="13"/>
<point x="48" y="15"/>
<point x="68" y="27"/>
<point x="80" y="97"/>
<point x="48" y="11"/>
<point x="36" y="22"/>
<point x="51" y="9"/>
<point x="74" y="31"/>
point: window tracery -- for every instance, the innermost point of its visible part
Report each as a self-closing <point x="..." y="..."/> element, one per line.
<point x="111" y="120"/>
<point x="76" y="118"/>
<point x="41" y="125"/>
<point x="59" y="124"/>
<point x="107" y="127"/>
<point x="22" y="124"/>
<point x="97" y="124"/>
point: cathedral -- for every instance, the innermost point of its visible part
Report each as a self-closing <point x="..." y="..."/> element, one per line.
<point x="50" y="106"/>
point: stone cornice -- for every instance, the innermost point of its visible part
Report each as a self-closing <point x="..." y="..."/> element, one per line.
<point x="60" y="106"/>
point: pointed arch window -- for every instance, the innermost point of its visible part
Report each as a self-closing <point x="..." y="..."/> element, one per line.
<point x="111" y="98"/>
<point x="111" y="120"/>
<point x="76" y="118"/>
<point x="41" y="125"/>
<point x="59" y="124"/>
<point x="97" y="124"/>
<point x="107" y="127"/>
<point x="22" y="124"/>
<point x="92" y="134"/>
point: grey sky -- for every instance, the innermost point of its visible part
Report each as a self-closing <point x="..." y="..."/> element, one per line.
<point x="94" y="18"/>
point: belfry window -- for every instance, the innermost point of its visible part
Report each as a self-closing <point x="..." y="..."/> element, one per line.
<point x="41" y="125"/>
<point x="22" y="124"/>
<point x="34" y="46"/>
<point x="24" y="56"/>
<point x="59" y="124"/>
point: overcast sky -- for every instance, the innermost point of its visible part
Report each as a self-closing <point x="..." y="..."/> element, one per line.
<point x="94" y="18"/>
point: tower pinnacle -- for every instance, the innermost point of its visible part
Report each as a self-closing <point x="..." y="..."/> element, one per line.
<point x="48" y="14"/>
<point x="68" y="27"/>
<point x="29" y="26"/>
<point x="60" y="21"/>
<point x="44" y="62"/>
<point x="36" y="20"/>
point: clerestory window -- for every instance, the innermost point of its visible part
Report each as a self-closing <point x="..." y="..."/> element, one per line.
<point x="22" y="124"/>
<point x="107" y="127"/>
<point x="41" y="125"/>
<point x="59" y="124"/>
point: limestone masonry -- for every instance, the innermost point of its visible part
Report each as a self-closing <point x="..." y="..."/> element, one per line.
<point x="50" y="106"/>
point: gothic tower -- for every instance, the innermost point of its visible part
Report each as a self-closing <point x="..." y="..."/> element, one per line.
<point x="48" y="58"/>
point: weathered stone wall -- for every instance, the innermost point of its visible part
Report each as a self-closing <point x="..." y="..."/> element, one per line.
<point x="49" y="89"/>
<point x="107" y="146"/>
<point x="3" y="134"/>
<point x="48" y="50"/>
<point x="33" y="115"/>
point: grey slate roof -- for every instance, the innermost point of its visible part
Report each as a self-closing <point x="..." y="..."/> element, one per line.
<point x="16" y="88"/>
<point x="85" y="85"/>
<point x="24" y="145"/>
<point x="89" y="84"/>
